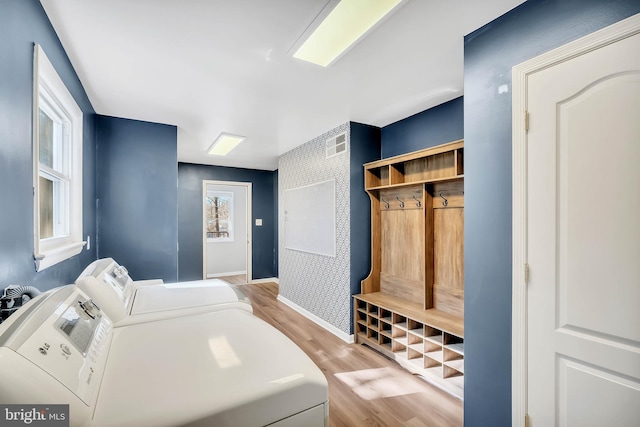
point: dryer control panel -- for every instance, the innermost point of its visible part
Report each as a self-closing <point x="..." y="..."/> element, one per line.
<point x="108" y="283"/>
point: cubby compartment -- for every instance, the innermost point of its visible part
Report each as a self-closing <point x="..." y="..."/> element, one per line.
<point x="415" y="348"/>
<point x="372" y="322"/>
<point x="400" y="346"/>
<point x="460" y="161"/>
<point x="396" y="173"/>
<point x="416" y="329"/>
<point x="453" y="368"/>
<point x="377" y="177"/>
<point x="385" y="328"/>
<point x="433" y="351"/>
<point x="372" y="309"/>
<point x="385" y="342"/>
<point x="430" y="362"/>
<point x="433" y="335"/>
<point x="385" y="315"/>
<point x="361" y="318"/>
<point x="400" y="321"/>
<point x="400" y="333"/>
<point x="361" y="329"/>
<point x="453" y="346"/>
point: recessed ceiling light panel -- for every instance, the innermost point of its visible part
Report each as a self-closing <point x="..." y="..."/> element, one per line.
<point x="224" y="144"/>
<point x="345" y="25"/>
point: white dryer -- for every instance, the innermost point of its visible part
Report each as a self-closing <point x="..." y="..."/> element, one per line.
<point x="127" y="301"/>
<point x="219" y="368"/>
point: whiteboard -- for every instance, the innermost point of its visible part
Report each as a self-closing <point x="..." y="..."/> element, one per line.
<point x="310" y="218"/>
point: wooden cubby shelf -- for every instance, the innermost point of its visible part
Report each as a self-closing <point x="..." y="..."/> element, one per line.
<point x="411" y="305"/>
<point x="438" y="164"/>
<point x="429" y="348"/>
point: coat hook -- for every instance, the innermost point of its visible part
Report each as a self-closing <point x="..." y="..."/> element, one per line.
<point x="446" y="202"/>
<point x="401" y="202"/>
<point x="418" y="203"/>
<point x="386" y="204"/>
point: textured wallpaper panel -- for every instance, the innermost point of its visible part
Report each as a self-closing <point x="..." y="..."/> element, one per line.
<point x="317" y="283"/>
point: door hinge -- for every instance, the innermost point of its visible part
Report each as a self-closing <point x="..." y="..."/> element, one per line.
<point x="526" y="121"/>
<point x="526" y="420"/>
<point x="526" y="274"/>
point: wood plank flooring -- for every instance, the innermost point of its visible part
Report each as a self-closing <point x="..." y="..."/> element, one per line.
<point x="365" y="388"/>
<point x="239" y="279"/>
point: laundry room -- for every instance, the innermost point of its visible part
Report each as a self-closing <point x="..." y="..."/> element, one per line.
<point x="205" y="221"/>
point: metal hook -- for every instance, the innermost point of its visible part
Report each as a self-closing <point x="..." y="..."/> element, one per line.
<point x="446" y="202"/>
<point x="401" y="202"/>
<point x="386" y="204"/>
<point x="418" y="202"/>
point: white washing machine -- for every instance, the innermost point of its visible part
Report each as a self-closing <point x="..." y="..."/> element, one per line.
<point x="219" y="368"/>
<point x="127" y="301"/>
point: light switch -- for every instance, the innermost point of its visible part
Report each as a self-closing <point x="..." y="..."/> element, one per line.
<point x="258" y="222"/>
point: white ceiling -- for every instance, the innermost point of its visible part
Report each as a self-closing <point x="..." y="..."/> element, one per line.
<point x="211" y="66"/>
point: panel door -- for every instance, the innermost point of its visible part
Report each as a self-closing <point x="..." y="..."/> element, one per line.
<point x="583" y="313"/>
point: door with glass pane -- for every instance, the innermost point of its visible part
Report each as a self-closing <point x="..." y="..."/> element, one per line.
<point x="227" y="231"/>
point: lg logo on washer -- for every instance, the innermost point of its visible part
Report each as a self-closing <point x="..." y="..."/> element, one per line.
<point x="37" y="415"/>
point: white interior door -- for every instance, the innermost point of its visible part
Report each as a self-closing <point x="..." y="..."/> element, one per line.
<point x="583" y="212"/>
<point x="226" y="229"/>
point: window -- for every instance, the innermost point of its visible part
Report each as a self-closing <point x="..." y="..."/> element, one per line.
<point x="57" y="148"/>
<point x="219" y="216"/>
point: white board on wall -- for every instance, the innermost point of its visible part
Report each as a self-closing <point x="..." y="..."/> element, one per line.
<point x="310" y="218"/>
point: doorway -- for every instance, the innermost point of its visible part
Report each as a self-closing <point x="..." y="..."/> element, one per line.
<point x="226" y="232"/>
<point x="576" y="326"/>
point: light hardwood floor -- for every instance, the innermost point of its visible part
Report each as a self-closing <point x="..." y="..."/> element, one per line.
<point x="365" y="388"/>
<point x="239" y="279"/>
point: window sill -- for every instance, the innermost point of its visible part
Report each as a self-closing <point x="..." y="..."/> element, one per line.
<point x="55" y="255"/>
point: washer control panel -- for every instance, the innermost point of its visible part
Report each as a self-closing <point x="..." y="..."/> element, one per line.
<point x="72" y="345"/>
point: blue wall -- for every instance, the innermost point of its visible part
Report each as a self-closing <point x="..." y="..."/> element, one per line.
<point x="364" y="147"/>
<point x="136" y="180"/>
<point x="23" y="23"/>
<point x="264" y="204"/>
<point x="490" y="52"/>
<point x="435" y="126"/>
<point x="275" y="224"/>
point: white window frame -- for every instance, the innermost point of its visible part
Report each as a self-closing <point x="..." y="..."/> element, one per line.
<point x="231" y="196"/>
<point x="49" y="90"/>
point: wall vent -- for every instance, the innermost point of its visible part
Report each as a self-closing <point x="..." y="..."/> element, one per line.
<point x="337" y="145"/>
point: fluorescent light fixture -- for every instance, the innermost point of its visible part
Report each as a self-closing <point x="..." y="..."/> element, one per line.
<point x="346" y="24"/>
<point x="224" y="144"/>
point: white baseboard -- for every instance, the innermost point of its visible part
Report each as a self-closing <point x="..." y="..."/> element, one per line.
<point x="267" y="280"/>
<point x="228" y="273"/>
<point x="321" y="322"/>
